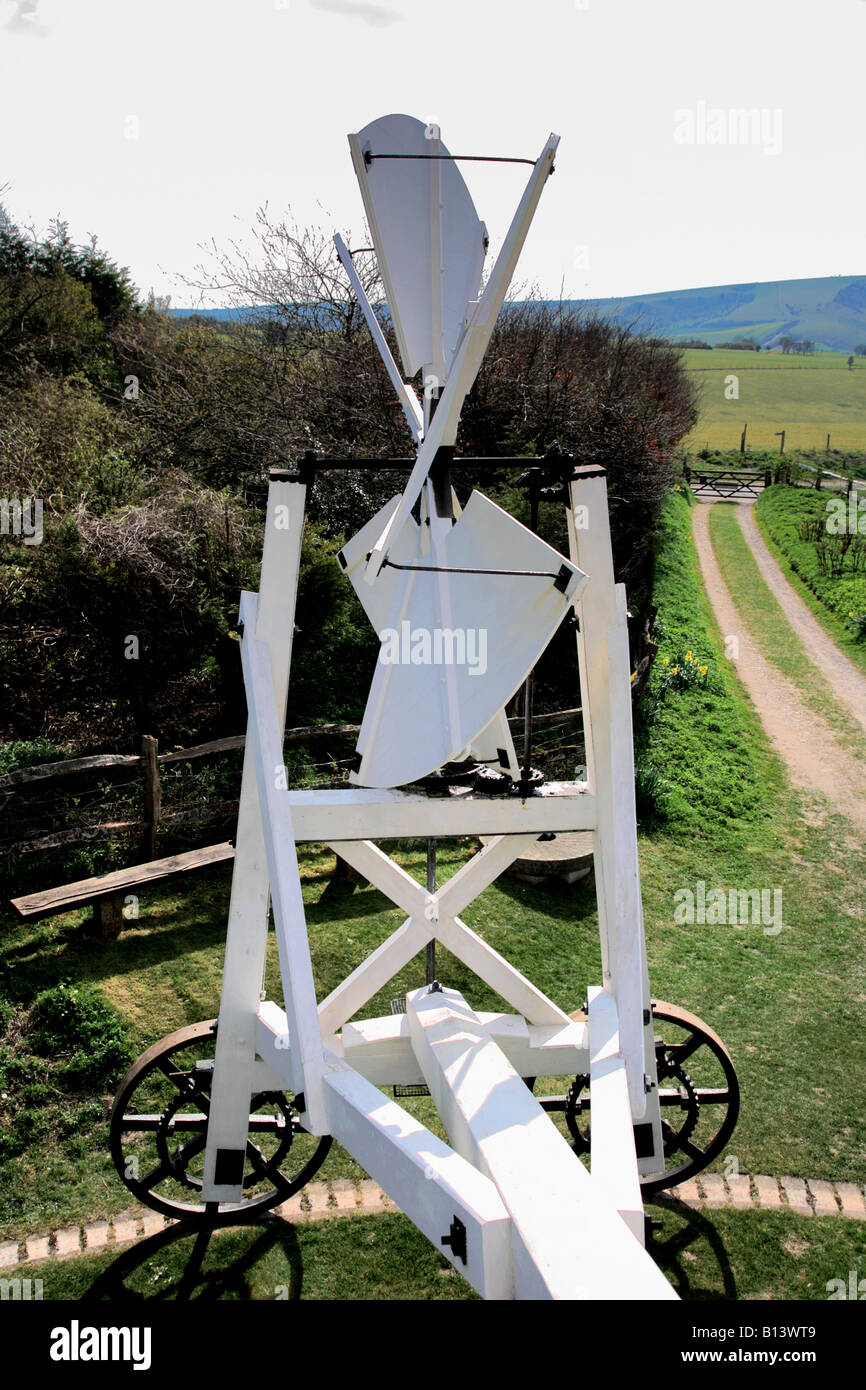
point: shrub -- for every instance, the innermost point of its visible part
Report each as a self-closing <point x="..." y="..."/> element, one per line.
<point x="76" y="1023"/>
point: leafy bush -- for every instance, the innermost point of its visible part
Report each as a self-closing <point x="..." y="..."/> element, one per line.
<point x="77" y="1024"/>
<point x="830" y="563"/>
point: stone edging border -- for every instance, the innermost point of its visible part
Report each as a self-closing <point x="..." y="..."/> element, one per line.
<point x="345" y="1197"/>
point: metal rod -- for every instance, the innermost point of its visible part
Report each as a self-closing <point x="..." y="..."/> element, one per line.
<point x="431" y="888"/>
<point x="446" y="569"/>
<point x="478" y="158"/>
<point x="287" y="472"/>
<point x="527" y="690"/>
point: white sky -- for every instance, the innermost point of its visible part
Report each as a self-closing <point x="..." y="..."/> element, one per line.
<point x="239" y="102"/>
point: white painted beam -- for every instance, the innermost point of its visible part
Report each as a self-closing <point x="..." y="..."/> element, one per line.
<point x="373" y="814"/>
<point x="373" y="974"/>
<point x="246" y="936"/>
<point x="569" y="1242"/>
<point x="406" y="396"/>
<point x="427" y="908"/>
<point x="289" y="920"/>
<point x="613" y="1161"/>
<point x="426" y="1179"/>
<point x="381" y="1048"/>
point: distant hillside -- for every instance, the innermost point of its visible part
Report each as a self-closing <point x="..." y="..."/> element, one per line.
<point x="831" y="310"/>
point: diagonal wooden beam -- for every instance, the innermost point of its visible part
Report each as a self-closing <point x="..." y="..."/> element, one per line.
<point x="428" y="920"/>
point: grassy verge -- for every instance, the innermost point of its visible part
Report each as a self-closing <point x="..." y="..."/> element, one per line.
<point x="779" y="512"/>
<point x="768" y="625"/>
<point x="722" y="1255"/>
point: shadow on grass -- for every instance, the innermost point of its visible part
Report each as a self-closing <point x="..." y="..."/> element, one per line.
<point x="255" y="1260"/>
<point x="183" y="1263"/>
<point x="691" y="1252"/>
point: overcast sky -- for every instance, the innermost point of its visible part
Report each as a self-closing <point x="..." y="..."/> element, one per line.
<point x="161" y="124"/>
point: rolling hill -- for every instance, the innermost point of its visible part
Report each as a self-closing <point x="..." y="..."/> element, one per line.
<point x="831" y="310"/>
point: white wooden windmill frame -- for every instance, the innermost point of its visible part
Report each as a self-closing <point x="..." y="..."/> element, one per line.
<point x="335" y="1066"/>
<point x="507" y="1200"/>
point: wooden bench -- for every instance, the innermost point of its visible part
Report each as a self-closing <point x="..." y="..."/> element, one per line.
<point x="107" y="892"/>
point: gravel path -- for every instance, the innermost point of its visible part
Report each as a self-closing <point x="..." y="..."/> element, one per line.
<point x="806" y="743"/>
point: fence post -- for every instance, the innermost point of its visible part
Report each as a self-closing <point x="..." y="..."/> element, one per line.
<point x="152" y="795"/>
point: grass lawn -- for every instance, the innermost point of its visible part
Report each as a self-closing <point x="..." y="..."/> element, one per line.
<point x="714" y="806"/>
<point x="706" y="1255"/>
<point x="808" y="397"/>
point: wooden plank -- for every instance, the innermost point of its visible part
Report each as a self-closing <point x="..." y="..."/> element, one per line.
<point x="304" y="733"/>
<point x="296" y="968"/>
<point x="480" y="871"/>
<point x="605" y="689"/>
<point x="74" y="837"/>
<point x="247" y="934"/>
<point x="381" y="1048"/>
<point x="88" y="890"/>
<point x="371" y="814"/>
<point x="435" y="909"/>
<point x="426" y="1179"/>
<point x="373" y="973"/>
<point x="498" y="973"/>
<point x="613" y="1161"/>
<point x="97" y="763"/>
<point x="568" y="1241"/>
<point x="204" y="750"/>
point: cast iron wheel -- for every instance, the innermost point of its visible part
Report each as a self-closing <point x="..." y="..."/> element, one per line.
<point x="158" y="1133"/>
<point x="698" y="1117"/>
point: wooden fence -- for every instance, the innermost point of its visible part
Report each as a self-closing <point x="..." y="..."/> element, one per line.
<point x="148" y="762"/>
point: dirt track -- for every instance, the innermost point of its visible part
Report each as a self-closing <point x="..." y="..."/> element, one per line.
<point x="805" y="742"/>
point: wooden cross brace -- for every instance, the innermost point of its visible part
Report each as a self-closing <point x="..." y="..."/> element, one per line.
<point x="433" y="916"/>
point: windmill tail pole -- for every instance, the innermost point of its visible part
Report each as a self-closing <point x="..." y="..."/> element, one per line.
<point x="528" y="688"/>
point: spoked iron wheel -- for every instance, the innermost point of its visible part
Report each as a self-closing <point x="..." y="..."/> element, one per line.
<point x="158" y="1133"/>
<point x="698" y="1091"/>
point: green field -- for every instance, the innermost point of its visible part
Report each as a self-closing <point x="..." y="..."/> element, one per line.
<point x="808" y="397"/>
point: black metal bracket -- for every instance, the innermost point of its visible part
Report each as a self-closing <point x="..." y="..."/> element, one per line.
<point x="229" y="1167"/>
<point x="456" y="1238"/>
<point x="650" y="1224"/>
<point x="561" y="581"/>
<point x="644" y="1145"/>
